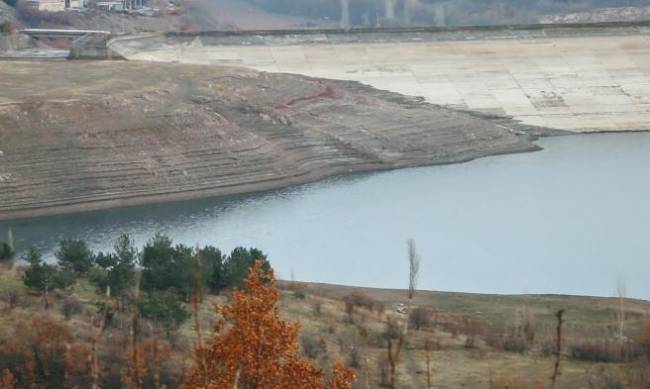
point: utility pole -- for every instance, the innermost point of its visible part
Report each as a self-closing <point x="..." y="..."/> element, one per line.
<point x="409" y="6"/>
<point x="390" y="9"/>
<point x="440" y="18"/>
<point x="345" y="14"/>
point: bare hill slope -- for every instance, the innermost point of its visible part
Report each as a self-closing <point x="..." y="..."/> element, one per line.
<point x="102" y="134"/>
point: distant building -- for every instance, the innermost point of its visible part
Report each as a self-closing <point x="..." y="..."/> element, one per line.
<point x="105" y="5"/>
<point x="78" y="4"/>
<point x="120" y="5"/>
<point x="110" y="5"/>
<point x="56" y="5"/>
<point x="47" y="5"/>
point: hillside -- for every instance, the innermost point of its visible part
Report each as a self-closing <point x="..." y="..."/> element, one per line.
<point x="476" y="341"/>
<point x="194" y="15"/>
<point x="104" y="134"/>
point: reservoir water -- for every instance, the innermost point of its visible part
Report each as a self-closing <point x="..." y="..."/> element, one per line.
<point x="570" y="219"/>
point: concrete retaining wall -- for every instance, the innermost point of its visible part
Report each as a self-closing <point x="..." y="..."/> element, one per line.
<point x="581" y="78"/>
<point x="15" y="42"/>
<point x="92" y="47"/>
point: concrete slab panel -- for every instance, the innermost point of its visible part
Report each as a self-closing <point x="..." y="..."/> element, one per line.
<point x="579" y="83"/>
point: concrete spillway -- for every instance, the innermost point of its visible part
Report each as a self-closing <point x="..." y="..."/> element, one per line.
<point x="575" y="78"/>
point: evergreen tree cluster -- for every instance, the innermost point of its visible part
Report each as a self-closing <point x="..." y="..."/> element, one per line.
<point x="6" y="252"/>
<point x="44" y="277"/>
<point x="168" y="274"/>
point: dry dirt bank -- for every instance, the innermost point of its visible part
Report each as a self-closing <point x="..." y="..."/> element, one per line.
<point x="88" y="135"/>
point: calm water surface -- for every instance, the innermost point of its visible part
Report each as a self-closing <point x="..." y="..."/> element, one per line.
<point x="570" y="219"/>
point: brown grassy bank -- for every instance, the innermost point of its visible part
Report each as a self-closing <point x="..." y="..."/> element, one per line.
<point x="476" y="341"/>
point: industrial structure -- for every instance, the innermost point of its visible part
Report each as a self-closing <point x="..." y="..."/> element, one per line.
<point x="62" y="5"/>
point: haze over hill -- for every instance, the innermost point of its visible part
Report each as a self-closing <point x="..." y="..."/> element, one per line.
<point x="442" y="13"/>
<point x="194" y="15"/>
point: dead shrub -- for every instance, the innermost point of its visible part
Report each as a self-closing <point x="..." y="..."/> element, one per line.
<point x="6" y="28"/>
<point x="392" y="330"/>
<point x="380" y="308"/>
<point x="349" y="311"/>
<point x="35" y="17"/>
<point x="71" y="307"/>
<point x="547" y="347"/>
<point x="37" y="353"/>
<point x="472" y="330"/>
<point x="512" y="343"/>
<point x="300" y="294"/>
<point x="644" y="339"/>
<point x="354" y="358"/>
<point x="516" y="382"/>
<point x="317" y="307"/>
<point x="312" y="346"/>
<point x="604" y="351"/>
<point x="10" y="299"/>
<point x="360" y="299"/>
<point x="421" y="317"/>
<point x="630" y="376"/>
<point x="384" y="372"/>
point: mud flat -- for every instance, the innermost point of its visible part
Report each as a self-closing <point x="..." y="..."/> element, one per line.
<point x="582" y="78"/>
<point x="90" y="135"/>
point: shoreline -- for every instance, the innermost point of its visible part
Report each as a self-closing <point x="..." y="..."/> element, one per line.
<point x="243" y="189"/>
<point x="170" y="132"/>
<point x="257" y="187"/>
<point x="180" y="132"/>
<point x="334" y="290"/>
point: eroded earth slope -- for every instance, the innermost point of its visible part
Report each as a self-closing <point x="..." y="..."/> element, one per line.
<point x="86" y="135"/>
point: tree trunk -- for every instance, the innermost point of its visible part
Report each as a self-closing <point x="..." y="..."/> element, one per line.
<point x="558" y="347"/>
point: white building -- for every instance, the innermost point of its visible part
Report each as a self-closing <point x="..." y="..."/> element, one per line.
<point x="48" y="5"/>
<point x="110" y="5"/>
<point x="78" y="4"/>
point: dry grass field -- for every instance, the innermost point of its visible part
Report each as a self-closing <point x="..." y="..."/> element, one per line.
<point x="475" y="341"/>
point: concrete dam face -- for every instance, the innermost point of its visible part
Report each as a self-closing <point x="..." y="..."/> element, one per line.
<point x="578" y="78"/>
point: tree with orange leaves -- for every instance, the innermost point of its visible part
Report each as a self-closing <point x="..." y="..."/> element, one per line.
<point x="7" y="380"/>
<point x="343" y="377"/>
<point x="254" y="349"/>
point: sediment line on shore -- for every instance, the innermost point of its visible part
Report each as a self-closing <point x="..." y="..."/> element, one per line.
<point x="172" y="132"/>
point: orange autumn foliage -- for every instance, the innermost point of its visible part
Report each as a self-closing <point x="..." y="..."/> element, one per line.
<point x="644" y="338"/>
<point x="45" y="355"/>
<point x="7" y="380"/>
<point x="152" y="355"/>
<point x="254" y="348"/>
<point x="343" y="377"/>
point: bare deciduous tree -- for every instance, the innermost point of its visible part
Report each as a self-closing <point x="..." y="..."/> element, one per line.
<point x="133" y="374"/>
<point x="558" y="347"/>
<point x="621" y="293"/>
<point x="414" y="269"/>
<point x="428" y="348"/>
<point x="394" y="352"/>
<point x="10" y="239"/>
